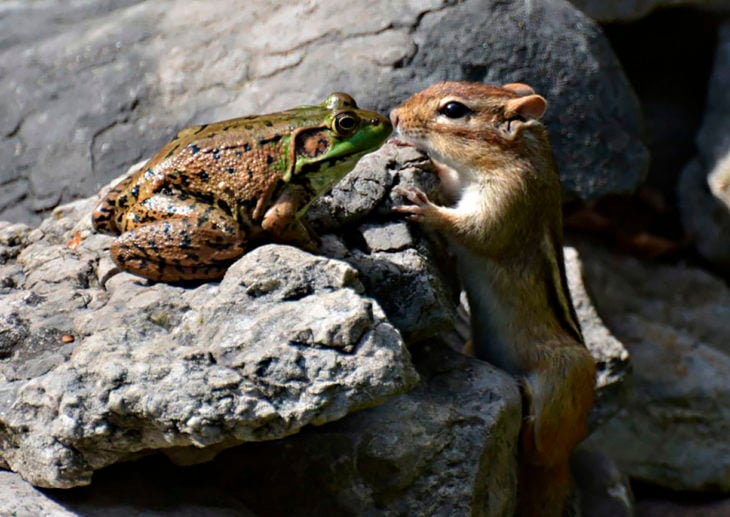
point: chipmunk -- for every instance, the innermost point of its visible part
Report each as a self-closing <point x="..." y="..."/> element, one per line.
<point x="497" y="171"/>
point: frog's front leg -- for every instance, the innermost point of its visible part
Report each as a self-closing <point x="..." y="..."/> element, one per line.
<point x="283" y="223"/>
<point x="193" y="246"/>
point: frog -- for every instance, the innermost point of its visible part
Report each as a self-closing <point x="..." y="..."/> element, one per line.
<point x="217" y="190"/>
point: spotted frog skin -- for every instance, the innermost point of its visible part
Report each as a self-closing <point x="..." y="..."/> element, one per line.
<point x="216" y="189"/>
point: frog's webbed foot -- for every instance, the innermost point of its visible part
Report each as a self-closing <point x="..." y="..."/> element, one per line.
<point x="102" y="218"/>
<point x="108" y="275"/>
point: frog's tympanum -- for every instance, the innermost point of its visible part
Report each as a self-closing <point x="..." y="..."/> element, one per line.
<point x="217" y="189"/>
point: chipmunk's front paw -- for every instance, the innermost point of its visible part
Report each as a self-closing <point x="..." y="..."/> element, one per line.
<point x="422" y="208"/>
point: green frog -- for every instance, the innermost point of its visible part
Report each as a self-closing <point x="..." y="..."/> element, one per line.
<point x="217" y="189"/>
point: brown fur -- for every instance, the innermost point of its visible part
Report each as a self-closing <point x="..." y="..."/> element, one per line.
<point x="506" y="222"/>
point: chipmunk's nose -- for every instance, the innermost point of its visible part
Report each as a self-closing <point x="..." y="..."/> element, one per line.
<point x="394" y="119"/>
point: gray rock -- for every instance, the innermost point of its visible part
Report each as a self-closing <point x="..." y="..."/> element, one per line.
<point x="90" y="87"/>
<point x="389" y="237"/>
<point x="411" y="289"/>
<point x="18" y="497"/>
<point x="412" y="455"/>
<point x="706" y="218"/>
<point x="91" y="377"/>
<point x="628" y="10"/>
<point x="145" y="493"/>
<point x="397" y="266"/>
<point x="283" y="341"/>
<point x="612" y="358"/>
<point x="703" y="192"/>
<point x="673" y="429"/>
<point x="658" y="506"/>
<point x="445" y="448"/>
<point x="604" y="490"/>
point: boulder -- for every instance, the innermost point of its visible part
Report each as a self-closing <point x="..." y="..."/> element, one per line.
<point x="445" y="448"/>
<point x="672" y="430"/>
<point x="285" y="340"/>
<point x="704" y="188"/>
<point x="629" y="10"/>
<point x="95" y="87"/>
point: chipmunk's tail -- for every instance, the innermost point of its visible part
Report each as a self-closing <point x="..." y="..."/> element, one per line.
<point x="544" y="491"/>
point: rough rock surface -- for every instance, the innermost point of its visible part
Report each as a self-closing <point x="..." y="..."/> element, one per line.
<point x="20" y="498"/>
<point x="89" y="377"/>
<point x="627" y="10"/>
<point x="612" y="358"/>
<point x="674" y="428"/>
<point x="704" y="189"/>
<point x="283" y="341"/>
<point x="419" y="453"/>
<point x="87" y="88"/>
<point x="445" y="448"/>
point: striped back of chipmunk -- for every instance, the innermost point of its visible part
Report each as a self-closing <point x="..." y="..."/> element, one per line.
<point x="557" y="289"/>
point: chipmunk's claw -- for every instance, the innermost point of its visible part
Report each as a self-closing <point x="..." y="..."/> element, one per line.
<point x="421" y="204"/>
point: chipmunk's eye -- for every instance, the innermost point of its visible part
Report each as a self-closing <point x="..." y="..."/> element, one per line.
<point x="454" y="109"/>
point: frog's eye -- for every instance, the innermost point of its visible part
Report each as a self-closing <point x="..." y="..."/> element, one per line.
<point x="346" y="123"/>
<point x="454" y="109"/>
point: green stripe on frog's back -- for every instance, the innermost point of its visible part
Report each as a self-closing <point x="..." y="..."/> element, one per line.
<point x="266" y="137"/>
<point x="258" y="127"/>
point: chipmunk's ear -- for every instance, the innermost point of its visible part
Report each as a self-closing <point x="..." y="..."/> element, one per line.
<point x="519" y="88"/>
<point x="529" y="107"/>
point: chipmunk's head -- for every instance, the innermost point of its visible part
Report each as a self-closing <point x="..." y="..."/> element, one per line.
<point x="461" y="123"/>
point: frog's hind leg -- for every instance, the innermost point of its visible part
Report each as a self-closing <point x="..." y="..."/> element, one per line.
<point x="178" y="250"/>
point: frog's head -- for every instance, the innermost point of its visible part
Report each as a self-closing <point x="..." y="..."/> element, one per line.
<point x="325" y="152"/>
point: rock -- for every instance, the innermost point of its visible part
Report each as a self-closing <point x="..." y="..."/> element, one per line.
<point x="417" y="454"/>
<point x="628" y="10"/>
<point x="703" y="191"/>
<point x="604" y="490"/>
<point x="152" y="491"/>
<point x="679" y="507"/>
<point x="95" y="87"/>
<point x="91" y="377"/>
<point x="94" y="377"/>
<point x="612" y="358"/>
<point x="397" y="266"/>
<point x="18" y="497"/>
<point x="673" y="429"/>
